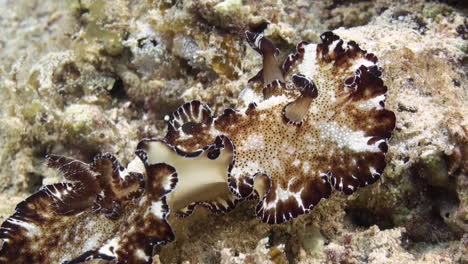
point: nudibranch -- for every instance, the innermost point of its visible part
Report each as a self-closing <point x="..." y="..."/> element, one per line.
<point x="314" y="123"/>
<point x="298" y="135"/>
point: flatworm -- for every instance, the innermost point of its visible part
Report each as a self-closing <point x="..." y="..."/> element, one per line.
<point x="330" y="130"/>
<point x="315" y="123"/>
<point x="104" y="212"/>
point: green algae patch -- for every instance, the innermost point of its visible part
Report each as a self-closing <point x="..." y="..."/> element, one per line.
<point x="228" y="7"/>
<point x="110" y="41"/>
<point x="85" y="122"/>
<point x="31" y="111"/>
<point x="312" y="241"/>
<point x="79" y="119"/>
<point x="434" y="168"/>
<point x="228" y="63"/>
<point x="99" y="28"/>
<point x="436" y="11"/>
<point x="388" y="196"/>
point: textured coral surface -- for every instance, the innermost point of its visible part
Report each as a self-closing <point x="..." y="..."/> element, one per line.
<point x="83" y="77"/>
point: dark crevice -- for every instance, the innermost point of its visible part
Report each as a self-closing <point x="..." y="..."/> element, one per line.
<point x="337" y="3"/>
<point x="455" y="3"/>
<point x="259" y="28"/>
<point x="364" y="217"/>
<point x="118" y="89"/>
<point x="34" y="182"/>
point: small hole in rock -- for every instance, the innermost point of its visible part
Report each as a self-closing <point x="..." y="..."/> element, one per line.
<point x="118" y="89"/>
<point x="365" y="218"/>
<point x="34" y="182"/>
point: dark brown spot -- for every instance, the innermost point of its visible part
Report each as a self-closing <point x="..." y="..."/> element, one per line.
<point x="191" y="128"/>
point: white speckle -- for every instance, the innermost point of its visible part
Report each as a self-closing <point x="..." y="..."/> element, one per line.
<point x="213" y="132"/>
<point x="361" y="61"/>
<point x="253" y="142"/>
<point x="308" y="67"/>
<point x="248" y="96"/>
<point x="168" y="181"/>
<point x="290" y="150"/>
<point x="273" y="101"/>
<point x="91" y="242"/>
<point x="372" y="103"/>
<point x="296" y="162"/>
<point x="157" y="209"/>
<point x="283" y="195"/>
<point x="142" y="201"/>
<point x="333" y="45"/>
<point x="314" y="109"/>
<point x="251" y="168"/>
<point x="345" y="137"/>
<point x="310" y="147"/>
<point x="136" y="165"/>
<point x="332" y="95"/>
<point x="141" y="255"/>
<point x="374" y="172"/>
<point x="105" y="250"/>
<point x="276" y="164"/>
<point x="32" y="230"/>
<point x="306" y="167"/>
<point x="183" y="135"/>
<point x="258" y="40"/>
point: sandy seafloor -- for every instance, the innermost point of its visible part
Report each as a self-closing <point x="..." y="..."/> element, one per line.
<point x="82" y="77"/>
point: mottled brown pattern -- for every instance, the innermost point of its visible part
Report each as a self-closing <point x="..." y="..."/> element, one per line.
<point x="115" y="189"/>
<point x="39" y="231"/>
<point x="191" y="121"/>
